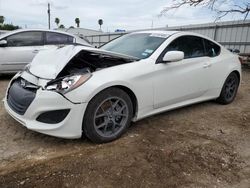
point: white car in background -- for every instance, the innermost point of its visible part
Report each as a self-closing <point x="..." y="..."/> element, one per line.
<point x="79" y="90"/>
<point x="18" y="48"/>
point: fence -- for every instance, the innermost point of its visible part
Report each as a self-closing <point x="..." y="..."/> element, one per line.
<point x="234" y="35"/>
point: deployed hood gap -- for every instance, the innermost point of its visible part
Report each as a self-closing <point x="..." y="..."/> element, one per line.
<point x="86" y="61"/>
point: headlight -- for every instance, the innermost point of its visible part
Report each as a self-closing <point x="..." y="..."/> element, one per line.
<point x="67" y="84"/>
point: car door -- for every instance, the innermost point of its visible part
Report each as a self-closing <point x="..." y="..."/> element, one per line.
<point x="176" y="82"/>
<point x="55" y="40"/>
<point x="20" y="50"/>
<point x="217" y="64"/>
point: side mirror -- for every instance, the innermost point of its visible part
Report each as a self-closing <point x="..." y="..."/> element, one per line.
<point x="173" y="56"/>
<point x="3" y="43"/>
<point x="237" y="51"/>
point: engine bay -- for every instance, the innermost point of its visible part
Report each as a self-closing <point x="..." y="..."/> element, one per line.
<point x="86" y="61"/>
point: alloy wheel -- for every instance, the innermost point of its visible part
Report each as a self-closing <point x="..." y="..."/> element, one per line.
<point x="111" y="117"/>
<point x="230" y="88"/>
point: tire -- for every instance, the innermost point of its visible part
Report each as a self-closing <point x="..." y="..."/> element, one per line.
<point x="229" y="90"/>
<point x="107" y="116"/>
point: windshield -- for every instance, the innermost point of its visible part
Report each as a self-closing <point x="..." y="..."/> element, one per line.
<point x="140" y="45"/>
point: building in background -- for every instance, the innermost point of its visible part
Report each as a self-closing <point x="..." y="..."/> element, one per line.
<point x="81" y="31"/>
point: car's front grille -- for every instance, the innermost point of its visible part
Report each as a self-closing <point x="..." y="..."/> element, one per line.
<point x="20" y="97"/>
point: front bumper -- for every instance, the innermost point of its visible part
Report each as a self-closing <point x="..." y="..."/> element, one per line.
<point x="44" y="101"/>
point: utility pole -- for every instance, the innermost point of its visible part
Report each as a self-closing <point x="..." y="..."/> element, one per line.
<point x="49" y="15"/>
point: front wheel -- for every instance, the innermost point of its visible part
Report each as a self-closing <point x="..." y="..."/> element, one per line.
<point x="229" y="90"/>
<point x="108" y="115"/>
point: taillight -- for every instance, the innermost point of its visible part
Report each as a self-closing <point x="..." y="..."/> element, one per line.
<point x="241" y="60"/>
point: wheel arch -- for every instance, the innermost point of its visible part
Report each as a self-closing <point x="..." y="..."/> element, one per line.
<point x="221" y="98"/>
<point x="132" y="96"/>
<point x="127" y="90"/>
<point x="237" y="73"/>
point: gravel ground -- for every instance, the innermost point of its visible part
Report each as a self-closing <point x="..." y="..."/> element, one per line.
<point x="203" y="145"/>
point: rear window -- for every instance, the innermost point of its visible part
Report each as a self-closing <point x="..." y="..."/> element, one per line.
<point x="58" y="38"/>
<point x="212" y="49"/>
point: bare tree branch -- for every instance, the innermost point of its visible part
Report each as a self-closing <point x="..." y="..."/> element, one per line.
<point x="236" y="9"/>
<point x="241" y="8"/>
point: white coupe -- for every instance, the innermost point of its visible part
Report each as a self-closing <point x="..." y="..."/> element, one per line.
<point x="75" y="90"/>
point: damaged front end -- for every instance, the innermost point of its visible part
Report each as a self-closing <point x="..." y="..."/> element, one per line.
<point x="63" y="70"/>
<point x="71" y="60"/>
<point x="66" y="84"/>
<point x="80" y="68"/>
<point x="55" y="65"/>
<point x="36" y="96"/>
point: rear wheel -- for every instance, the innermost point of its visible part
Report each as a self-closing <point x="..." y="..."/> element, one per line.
<point x="229" y="89"/>
<point x="108" y="115"/>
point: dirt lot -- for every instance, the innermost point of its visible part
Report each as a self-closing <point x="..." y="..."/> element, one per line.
<point x="204" y="145"/>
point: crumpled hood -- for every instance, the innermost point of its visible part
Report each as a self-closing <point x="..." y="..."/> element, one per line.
<point x="49" y="63"/>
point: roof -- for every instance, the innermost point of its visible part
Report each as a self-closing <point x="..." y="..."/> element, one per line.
<point x="167" y="33"/>
<point x="81" y="31"/>
<point x="164" y="32"/>
<point x="23" y="30"/>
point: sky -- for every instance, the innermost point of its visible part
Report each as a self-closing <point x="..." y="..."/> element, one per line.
<point x="117" y="14"/>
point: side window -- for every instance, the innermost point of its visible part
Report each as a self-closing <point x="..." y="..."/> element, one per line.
<point x="70" y="39"/>
<point x="212" y="49"/>
<point x="32" y="38"/>
<point x="57" y="38"/>
<point x="192" y="46"/>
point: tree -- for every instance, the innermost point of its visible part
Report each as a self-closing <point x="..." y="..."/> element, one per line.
<point x="241" y="6"/>
<point x="77" y="21"/>
<point x="61" y="26"/>
<point x="2" y="19"/>
<point x="100" y="22"/>
<point x="57" y="21"/>
<point x="9" y="27"/>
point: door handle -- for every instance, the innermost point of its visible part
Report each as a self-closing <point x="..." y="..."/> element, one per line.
<point x="35" y="51"/>
<point x="207" y="65"/>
